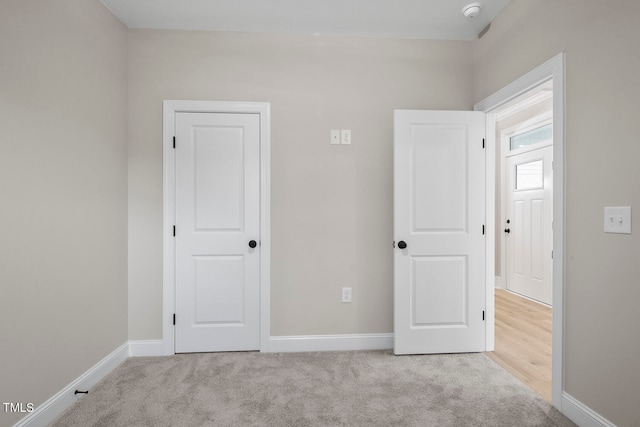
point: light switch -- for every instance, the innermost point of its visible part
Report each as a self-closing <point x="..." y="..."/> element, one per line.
<point x="335" y="136"/>
<point x="345" y="136"/>
<point x="617" y="220"/>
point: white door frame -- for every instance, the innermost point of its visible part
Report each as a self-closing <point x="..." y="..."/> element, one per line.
<point x="170" y="108"/>
<point x="552" y="69"/>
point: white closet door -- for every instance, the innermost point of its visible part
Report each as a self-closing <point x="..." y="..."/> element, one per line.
<point x="217" y="232"/>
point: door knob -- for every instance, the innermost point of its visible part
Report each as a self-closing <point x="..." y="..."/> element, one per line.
<point x="253" y="244"/>
<point x="507" y="230"/>
<point x="402" y="244"/>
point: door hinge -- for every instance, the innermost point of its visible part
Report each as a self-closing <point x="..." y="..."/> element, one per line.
<point x="174" y="319"/>
<point x="174" y="231"/>
<point x="174" y="142"/>
<point x="482" y="143"/>
<point x="482" y="316"/>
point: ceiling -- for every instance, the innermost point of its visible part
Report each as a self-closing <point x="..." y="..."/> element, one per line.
<point x="421" y="19"/>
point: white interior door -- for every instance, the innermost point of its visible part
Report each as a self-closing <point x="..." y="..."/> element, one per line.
<point x="439" y="221"/>
<point x="217" y="174"/>
<point x="528" y="228"/>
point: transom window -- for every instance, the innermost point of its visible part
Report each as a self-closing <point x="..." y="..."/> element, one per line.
<point x="532" y="137"/>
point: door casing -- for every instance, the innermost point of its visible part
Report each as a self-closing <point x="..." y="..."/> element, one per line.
<point x="170" y="108"/>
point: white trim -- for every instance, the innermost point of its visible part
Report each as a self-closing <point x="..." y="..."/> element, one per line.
<point x="528" y="103"/>
<point x="144" y="348"/>
<point x="498" y="284"/>
<point x="343" y="342"/>
<point x="57" y="404"/>
<point x="170" y="108"/>
<point x="581" y="414"/>
<point x="533" y="78"/>
<point x="523" y="296"/>
<point x="553" y="69"/>
<point x="490" y="242"/>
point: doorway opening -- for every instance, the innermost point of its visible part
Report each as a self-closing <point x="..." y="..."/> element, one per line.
<point x="524" y="237"/>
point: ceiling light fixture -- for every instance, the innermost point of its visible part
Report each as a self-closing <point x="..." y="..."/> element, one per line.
<point x="471" y="10"/>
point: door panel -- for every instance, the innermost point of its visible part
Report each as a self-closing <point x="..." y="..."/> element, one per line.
<point x="217" y="214"/>
<point x="439" y="154"/>
<point x="439" y="291"/>
<point x="218" y="289"/>
<point x="537" y="240"/>
<point x="439" y="175"/>
<point x="518" y="238"/>
<point x="219" y="178"/>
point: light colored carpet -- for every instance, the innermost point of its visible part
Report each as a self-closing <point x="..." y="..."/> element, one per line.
<point x="370" y="388"/>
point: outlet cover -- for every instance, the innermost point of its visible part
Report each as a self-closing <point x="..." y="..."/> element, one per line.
<point x="346" y="294"/>
<point x="345" y="136"/>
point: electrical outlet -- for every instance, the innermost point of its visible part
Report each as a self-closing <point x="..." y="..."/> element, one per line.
<point x="346" y="294"/>
<point x="345" y="136"/>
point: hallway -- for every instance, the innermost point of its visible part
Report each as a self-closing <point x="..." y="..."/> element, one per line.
<point x="523" y="340"/>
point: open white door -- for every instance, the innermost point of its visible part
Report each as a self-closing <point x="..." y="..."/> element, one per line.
<point x="439" y="232"/>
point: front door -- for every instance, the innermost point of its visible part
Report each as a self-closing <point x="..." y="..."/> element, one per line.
<point x="439" y="232"/>
<point x="528" y="229"/>
<point x="217" y="175"/>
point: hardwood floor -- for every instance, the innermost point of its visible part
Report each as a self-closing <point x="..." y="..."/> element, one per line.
<point x="523" y="340"/>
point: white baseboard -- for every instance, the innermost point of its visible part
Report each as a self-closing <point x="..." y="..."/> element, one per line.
<point x="296" y="343"/>
<point x="581" y="414"/>
<point x="343" y="342"/>
<point x="145" y="348"/>
<point x="498" y="284"/>
<point x="56" y="405"/>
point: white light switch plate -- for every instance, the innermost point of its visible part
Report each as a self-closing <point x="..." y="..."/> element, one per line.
<point x="617" y="220"/>
<point x="335" y="136"/>
<point x="346" y="294"/>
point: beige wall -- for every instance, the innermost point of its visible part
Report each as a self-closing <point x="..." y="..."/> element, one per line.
<point x="602" y="149"/>
<point x="63" y="189"/>
<point x="331" y="205"/>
